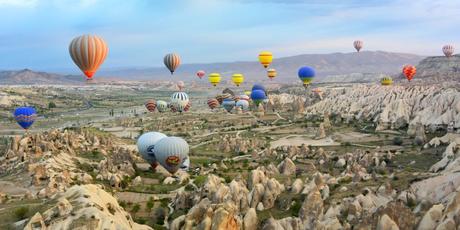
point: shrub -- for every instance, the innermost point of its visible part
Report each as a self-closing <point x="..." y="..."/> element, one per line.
<point x="397" y="141"/>
<point x="21" y="212"/>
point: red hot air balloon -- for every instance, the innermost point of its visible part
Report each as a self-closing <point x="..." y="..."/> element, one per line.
<point x="448" y="50"/>
<point x="409" y="71"/>
<point x="200" y="74"/>
<point x="151" y="105"/>
<point x="358" y="45"/>
<point x="213" y="103"/>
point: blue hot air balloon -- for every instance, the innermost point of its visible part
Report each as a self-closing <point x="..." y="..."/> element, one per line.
<point x="243" y="104"/>
<point x="228" y="104"/>
<point x="25" y="116"/>
<point x="258" y="96"/>
<point x="259" y="87"/>
<point x="306" y="75"/>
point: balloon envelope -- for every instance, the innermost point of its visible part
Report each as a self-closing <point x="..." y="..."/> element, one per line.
<point x="162" y="106"/>
<point x="258" y="87"/>
<point x="448" y="50"/>
<point x="25" y="116"/>
<point x="200" y="74"/>
<point x="306" y="74"/>
<point x="88" y="52"/>
<point x="386" y="81"/>
<point x="146" y="145"/>
<point x="271" y="73"/>
<point x="172" y="62"/>
<point x="265" y="58"/>
<point x="151" y="105"/>
<point x="238" y="79"/>
<point x="409" y="71"/>
<point x="358" y="45"/>
<point x="228" y="104"/>
<point x="213" y="103"/>
<point x="214" y="78"/>
<point x="243" y="104"/>
<point x="171" y="153"/>
<point x="179" y="101"/>
<point x="258" y="96"/>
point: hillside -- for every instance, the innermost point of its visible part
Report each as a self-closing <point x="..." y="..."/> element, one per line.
<point x="368" y="62"/>
<point x="28" y="77"/>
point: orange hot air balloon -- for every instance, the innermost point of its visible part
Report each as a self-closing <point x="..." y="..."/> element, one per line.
<point x="409" y="71"/>
<point x="88" y="52"/>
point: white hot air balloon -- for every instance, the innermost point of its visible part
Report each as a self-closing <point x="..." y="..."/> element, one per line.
<point x="243" y="104"/>
<point x="448" y="50"/>
<point x="172" y="153"/>
<point x="162" y="106"/>
<point x="179" y="101"/>
<point x="146" y="146"/>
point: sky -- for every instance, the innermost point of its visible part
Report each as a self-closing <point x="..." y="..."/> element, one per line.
<point x="35" y="34"/>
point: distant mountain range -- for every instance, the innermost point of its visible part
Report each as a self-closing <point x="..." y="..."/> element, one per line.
<point x="334" y="67"/>
<point x="367" y="62"/>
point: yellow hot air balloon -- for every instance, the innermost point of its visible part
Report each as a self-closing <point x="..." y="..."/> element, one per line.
<point x="247" y="92"/>
<point x="237" y="79"/>
<point x="214" y="78"/>
<point x="265" y="58"/>
<point x="271" y="73"/>
<point x="386" y="81"/>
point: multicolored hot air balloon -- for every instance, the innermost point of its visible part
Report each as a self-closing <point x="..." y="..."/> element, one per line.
<point x="448" y="50"/>
<point x="162" y="106"/>
<point x="171" y="153"/>
<point x="220" y="98"/>
<point x="146" y="146"/>
<point x="237" y="79"/>
<point x="306" y="75"/>
<point x="188" y="106"/>
<point x="88" y="52"/>
<point x="244" y="97"/>
<point x="358" y="45"/>
<point x="409" y="71"/>
<point x="151" y="105"/>
<point x="214" y="78"/>
<point x="258" y="96"/>
<point x="243" y="104"/>
<point x="213" y="103"/>
<point x="200" y="73"/>
<point x="179" y="101"/>
<point x="172" y="62"/>
<point x="265" y="58"/>
<point x="271" y="73"/>
<point x="25" y="116"/>
<point x="228" y="104"/>
<point x="180" y="85"/>
<point x="386" y="81"/>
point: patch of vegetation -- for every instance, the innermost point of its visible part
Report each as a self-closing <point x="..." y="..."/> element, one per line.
<point x="21" y="212"/>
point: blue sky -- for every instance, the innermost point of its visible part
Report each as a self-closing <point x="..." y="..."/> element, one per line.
<point x="35" y="33"/>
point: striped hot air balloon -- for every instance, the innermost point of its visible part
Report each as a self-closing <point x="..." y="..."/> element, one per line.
<point x="25" y="116"/>
<point x="271" y="73"/>
<point x="200" y="74"/>
<point x="221" y="97"/>
<point x="238" y="79"/>
<point x="448" y="50"/>
<point x="88" y="52"/>
<point x="172" y="62"/>
<point x="358" y="45"/>
<point x="386" y="81"/>
<point x="265" y="58"/>
<point x="409" y="71"/>
<point x="244" y="97"/>
<point x="213" y="103"/>
<point x="151" y="105"/>
<point x="162" y="106"/>
<point x="188" y="106"/>
<point x="179" y="101"/>
<point x="171" y="153"/>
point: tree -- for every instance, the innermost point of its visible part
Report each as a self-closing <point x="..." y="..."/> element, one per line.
<point x="51" y="105"/>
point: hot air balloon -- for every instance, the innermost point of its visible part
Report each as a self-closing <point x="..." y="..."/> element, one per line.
<point x="247" y="93"/>
<point x="151" y="105"/>
<point x="386" y="81"/>
<point x="409" y="71"/>
<point x="220" y="98"/>
<point x="448" y="50"/>
<point x="358" y="45"/>
<point x="180" y="85"/>
<point x="258" y="87"/>
<point x="162" y="106"/>
<point x="265" y="58"/>
<point x="271" y="73"/>
<point x="228" y="104"/>
<point x="243" y="104"/>
<point x="188" y="106"/>
<point x="213" y="103"/>
<point x="238" y="79"/>
<point x="258" y="96"/>
<point x="200" y="74"/>
<point x="306" y="74"/>
<point x="25" y="116"/>
<point x="88" y="52"/>
<point x="146" y="145"/>
<point x="179" y="100"/>
<point x="244" y="97"/>
<point x="171" y="153"/>
<point x="214" y="78"/>
<point x="172" y="62"/>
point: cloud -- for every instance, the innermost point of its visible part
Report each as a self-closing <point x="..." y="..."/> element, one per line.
<point x="18" y="3"/>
